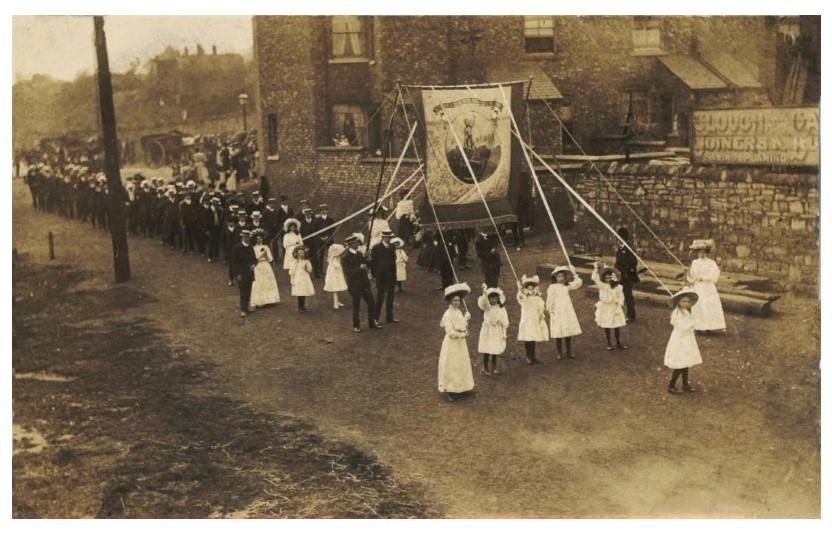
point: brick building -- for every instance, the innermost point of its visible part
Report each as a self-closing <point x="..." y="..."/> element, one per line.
<point x="322" y="78"/>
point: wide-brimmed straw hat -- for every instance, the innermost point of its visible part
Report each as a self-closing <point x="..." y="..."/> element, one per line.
<point x="296" y="249"/>
<point x="703" y="244"/>
<point x="530" y="280"/>
<point x="564" y="269"/>
<point x="499" y="292"/>
<point x="289" y="221"/>
<point x="685" y="291"/>
<point x="457" y="289"/>
<point x="397" y="242"/>
<point x="609" y="270"/>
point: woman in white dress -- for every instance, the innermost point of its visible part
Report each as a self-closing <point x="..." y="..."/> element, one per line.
<point x="609" y="311"/>
<point x="334" y="281"/>
<point x="682" y="352"/>
<point x="563" y="322"/>
<point x="291" y="239"/>
<point x="454" y="374"/>
<point x="264" y="289"/>
<point x="703" y="274"/>
<point x="493" y="332"/>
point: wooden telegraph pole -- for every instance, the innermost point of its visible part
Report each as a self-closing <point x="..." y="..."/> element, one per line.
<point x="116" y="197"/>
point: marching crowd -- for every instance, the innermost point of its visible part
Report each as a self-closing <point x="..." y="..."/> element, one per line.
<point x="252" y="233"/>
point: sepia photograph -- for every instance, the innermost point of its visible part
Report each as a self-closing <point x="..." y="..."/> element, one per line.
<point x="415" y="266"/>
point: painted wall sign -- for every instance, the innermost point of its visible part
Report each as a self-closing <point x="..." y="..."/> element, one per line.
<point x="759" y="136"/>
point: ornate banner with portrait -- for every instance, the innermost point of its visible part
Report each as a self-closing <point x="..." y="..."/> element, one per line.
<point x="481" y="133"/>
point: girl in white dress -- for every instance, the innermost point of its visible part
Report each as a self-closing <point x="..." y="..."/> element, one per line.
<point x="334" y="281"/>
<point x="264" y="290"/>
<point x="300" y="274"/>
<point x="682" y="352"/>
<point x="291" y="239"/>
<point x="703" y="274"/>
<point x="401" y="261"/>
<point x="454" y="373"/>
<point x="563" y="322"/>
<point x="494" y="328"/>
<point x="609" y="311"/>
<point x="532" y="328"/>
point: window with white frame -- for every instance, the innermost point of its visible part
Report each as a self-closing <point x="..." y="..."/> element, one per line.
<point x="647" y="35"/>
<point x="348" y="37"/>
<point x="349" y="125"/>
<point x="539" y="32"/>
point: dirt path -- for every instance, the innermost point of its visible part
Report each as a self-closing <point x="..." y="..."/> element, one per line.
<point x="597" y="436"/>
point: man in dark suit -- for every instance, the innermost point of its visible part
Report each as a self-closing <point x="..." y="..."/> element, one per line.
<point x="214" y="218"/>
<point x="486" y="246"/>
<point x="323" y="220"/>
<point x="308" y="226"/>
<point x="627" y="264"/>
<point x="355" y="267"/>
<point x="243" y="262"/>
<point x="383" y="267"/>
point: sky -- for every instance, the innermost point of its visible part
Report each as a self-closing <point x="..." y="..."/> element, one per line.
<point x="62" y="46"/>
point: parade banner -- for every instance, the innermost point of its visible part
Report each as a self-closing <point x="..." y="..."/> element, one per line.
<point x="482" y="123"/>
<point x="759" y="136"/>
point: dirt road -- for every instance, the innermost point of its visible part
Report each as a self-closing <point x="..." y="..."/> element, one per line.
<point x="596" y="436"/>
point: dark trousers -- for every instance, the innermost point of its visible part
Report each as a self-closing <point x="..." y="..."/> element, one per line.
<point x="385" y="292"/>
<point x="447" y="274"/>
<point x="301" y="303"/>
<point x="245" y="291"/>
<point x="317" y="269"/>
<point x="213" y="237"/>
<point x="357" y="293"/>
<point x="322" y="251"/>
<point x="492" y="275"/>
<point x="629" y="301"/>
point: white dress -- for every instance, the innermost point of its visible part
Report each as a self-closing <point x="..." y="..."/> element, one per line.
<point x="455" y="374"/>
<point x="682" y="350"/>
<point x="609" y="311"/>
<point x="379" y="225"/>
<point x="301" y="279"/>
<point x="707" y="311"/>
<point x="401" y="265"/>
<point x="334" y="280"/>
<point x="494" y="327"/>
<point x="563" y="322"/>
<point x="290" y="241"/>
<point x="264" y="289"/>
<point x="532" y="318"/>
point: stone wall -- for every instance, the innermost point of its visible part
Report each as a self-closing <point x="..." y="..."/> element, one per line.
<point x="763" y="223"/>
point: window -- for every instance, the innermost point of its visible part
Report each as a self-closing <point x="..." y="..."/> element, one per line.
<point x="348" y="37"/>
<point x="539" y="33"/>
<point x="647" y="35"/>
<point x="271" y="134"/>
<point x="349" y="125"/>
<point x="634" y="102"/>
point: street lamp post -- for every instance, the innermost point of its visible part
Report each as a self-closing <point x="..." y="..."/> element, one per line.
<point x="243" y="98"/>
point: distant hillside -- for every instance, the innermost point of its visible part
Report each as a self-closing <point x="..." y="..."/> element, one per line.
<point x="179" y="87"/>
